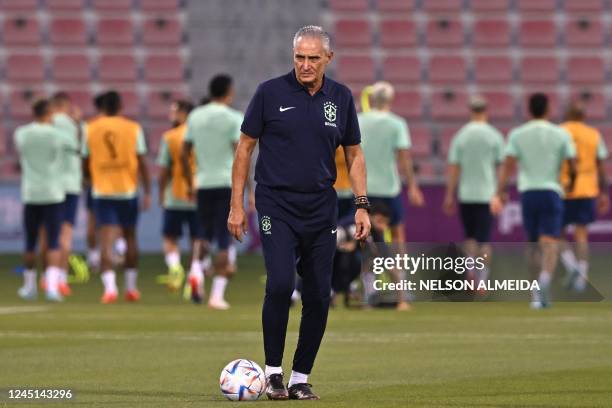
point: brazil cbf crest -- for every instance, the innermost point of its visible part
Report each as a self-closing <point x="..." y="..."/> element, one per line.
<point x="266" y="225"/>
<point x="329" y="109"/>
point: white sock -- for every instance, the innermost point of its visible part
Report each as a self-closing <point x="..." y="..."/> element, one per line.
<point x="29" y="279"/>
<point x="109" y="281"/>
<point x="483" y="274"/>
<point x="131" y="276"/>
<point x="93" y="257"/>
<point x="120" y="246"/>
<point x="535" y="296"/>
<point x="568" y="259"/>
<point x="53" y="276"/>
<point x="297" y="378"/>
<point x="206" y="263"/>
<point x="232" y="253"/>
<point x="173" y="259"/>
<point x="273" y="370"/>
<point x="63" y="277"/>
<point x="368" y="285"/>
<point x="583" y="268"/>
<point x="545" y="279"/>
<point x="196" y="270"/>
<point x="217" y="291"/>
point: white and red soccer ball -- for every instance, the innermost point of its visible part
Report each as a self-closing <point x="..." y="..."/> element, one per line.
<point x="242" y="380"/>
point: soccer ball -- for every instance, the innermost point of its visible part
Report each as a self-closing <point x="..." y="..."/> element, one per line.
<point x="242" y="380"/>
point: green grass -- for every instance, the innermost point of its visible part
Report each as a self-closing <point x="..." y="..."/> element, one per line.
<point x="165" y="353"/>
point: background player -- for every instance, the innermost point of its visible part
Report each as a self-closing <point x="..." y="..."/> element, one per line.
<point x="474" y="154"/>
<point x="590" y="193"/>
<point x="213" y="130"/>
<point x="113" y="155"/>
<point x="539" y="148"/>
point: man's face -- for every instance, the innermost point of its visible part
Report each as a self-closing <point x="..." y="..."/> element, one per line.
<point x="310" y="60"/>
<point x="176" y="116"/>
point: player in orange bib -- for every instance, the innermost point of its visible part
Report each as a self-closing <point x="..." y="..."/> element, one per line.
<point x="114" y="152"/>
<point x="590" y="194"/>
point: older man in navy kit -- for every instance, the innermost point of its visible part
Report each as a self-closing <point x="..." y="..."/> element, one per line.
<point x="299" y="119"/>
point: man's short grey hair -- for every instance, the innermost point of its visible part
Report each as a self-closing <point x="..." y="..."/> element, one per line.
<point x="313" y="31"/>
<point x="381" y="94"/>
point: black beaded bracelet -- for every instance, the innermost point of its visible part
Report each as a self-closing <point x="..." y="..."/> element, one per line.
<point x="362" y="202"/>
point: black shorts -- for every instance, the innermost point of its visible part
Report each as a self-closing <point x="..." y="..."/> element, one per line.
<point x="174" y="220"/>
<point x="36" y="216"/>
<point x="71" y="205"/>
<point x="213" y="210"/>
<point x="476" y="219"/>
<point x="579" y="211"/>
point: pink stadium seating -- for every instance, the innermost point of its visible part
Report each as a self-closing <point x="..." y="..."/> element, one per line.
<point x="155" y="6"/>
<point x="349" y="5"/>
<point x="113" y="68"/>
<point x="395" y="6"/>
<point x="25" y="68"/>
<point x="484" y="6"/>
<point x="444" y="32"/>
<point x="606" y="134"/>
<point x="20" y="102"/>
<point x="536" y="69"/>
<point x="68" y="31"/>
<point x="500" y="105"/>
<point x="18" y="5"/>
<point x="444" y="69"/>
<point x="425" y="169"/>
<point x="158" y="102"/>
<point x="449" y="104"/>
<point x="64" y="5"/>
<point x="82" y="97"/>
<point x="112" y="5"/>
<point x="19" y="30"/>
<point x="542" y="6"/>
<point x="163" y="68"/>
<point x="3" y="141"/>
<point x="582" y="31"/>
<point x="71" y="67"/>
<point x="594" y="6"/>
<point x="408" y="104"/>
<point x="154" y="133"/>
<point x="402" y="69"/>
<point x="115" y="32"/>
<point x="586" y="70"/>
<point x="492" y="33"/>
<point x="434" y="6"/>
<point x="445" y="138"/>
<point x="356" y="69"/>
<point x="493" y="68"/>
<point x="397" y="33"/>
<point x="538" y="33"/>
<point x="353" y="33"/>
<point x="420" y="136"/>
<point x="161" y="32"/>
<point x="594" y="103"/>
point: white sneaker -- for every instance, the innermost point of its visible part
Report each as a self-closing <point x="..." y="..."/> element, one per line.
<point x="28" y="293"/>
<point x="218" y="304"/>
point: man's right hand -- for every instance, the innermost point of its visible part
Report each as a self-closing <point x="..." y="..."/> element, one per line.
<point x="237" y="222"/>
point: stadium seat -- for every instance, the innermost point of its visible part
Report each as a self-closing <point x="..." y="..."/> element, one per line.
<point x="20" y="102"/>
<point x="492" y="33"/>
<point x="444" y="69"/>
<point x="538" y="33"/>
<point x="493" y="68"/>
<point x="402" y="69"/>
<point x="122" y="6"/>
<point x="68" y="31"/>
<point x="355" y="69"/>
<point x="82" y="97"/>
<point x="353" y="33"/>
<point x="162" y="32"/>
<point x="19" y="30"/>
<point x="449" y="104"/>
<point x="157" y="6"/>
<point x="541" y="6"/>
<point x="163" y="68"/>
<point x="113" y="68"/>
<point x="445" y="136"/>
<point x="25" y="68"/>
<point x="536" y="69"/>
<point x="594" y="103"/>
<point x="158" y="102"/>
<point x="349" y="5"/>
<point x="408" y="104"/>
<point x="583" y="31"/>
<point x="396" y="6"/>
<point x="154" y="133"/>
<point x="420" y="136"/>
<point x="21" y="6"/>
<point x="444" y="32"/>
<point x="593" y="6"/>
<point x="71" y="67"/>
<point x="397" y="33"/>
<point x="606" y="134"/>
<point x="500" y="104"/>
<point x="485" y="6"/>
<point x="586" y="70"/>
<point x="115" y="32"/>
<point x="64" y="5"/>
<point x="435" y="6"/>
<point x="425" y="169"/>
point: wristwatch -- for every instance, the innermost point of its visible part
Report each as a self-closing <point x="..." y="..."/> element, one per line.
<point x="362" y="202"/>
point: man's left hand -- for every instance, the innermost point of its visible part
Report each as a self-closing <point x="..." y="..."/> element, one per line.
<point x="362" y="224"/>
<point x="415" y="195"/>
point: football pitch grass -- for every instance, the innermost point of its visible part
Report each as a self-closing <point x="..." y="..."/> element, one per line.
<point x="163" y="352"/>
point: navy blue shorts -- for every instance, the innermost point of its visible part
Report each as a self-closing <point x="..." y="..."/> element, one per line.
<point x="71" y="205"/>
<point x="174" y="220"/>
<point x="394" y="204"/>
<point x="213" y="210"/>
<point x="118" y="212"/>
<point x="476" y="219"/>
<point x="346" y="206"/>
<point x="580" y="211"/>
<point x="89" y="200"/>
<point x="36" y="216"/>
<point x="542" y="213"/>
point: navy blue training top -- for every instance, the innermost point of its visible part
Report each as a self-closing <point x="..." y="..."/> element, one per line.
<point x="299" y="133"/>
